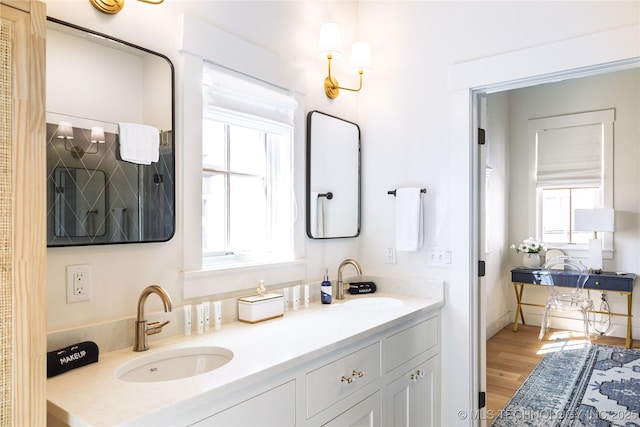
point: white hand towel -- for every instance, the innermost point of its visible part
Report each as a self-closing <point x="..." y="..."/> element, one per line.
<point x="408" y="219"/>
<point x="139" y="143"/>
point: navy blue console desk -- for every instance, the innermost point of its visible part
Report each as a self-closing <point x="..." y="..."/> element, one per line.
<point x="605" y="281"/>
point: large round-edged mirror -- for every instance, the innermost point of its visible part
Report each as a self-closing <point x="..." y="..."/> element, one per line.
<point x="333" y="177"/>
<point x="110" y="140"/>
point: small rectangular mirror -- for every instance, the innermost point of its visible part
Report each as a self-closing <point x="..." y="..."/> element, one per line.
<point x="333" y="177"/>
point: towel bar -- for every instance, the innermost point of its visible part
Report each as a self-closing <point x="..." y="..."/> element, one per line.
<point x="393" y="192"/>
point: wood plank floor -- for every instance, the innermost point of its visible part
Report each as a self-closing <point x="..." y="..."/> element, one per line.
<point x="511" y="356"/>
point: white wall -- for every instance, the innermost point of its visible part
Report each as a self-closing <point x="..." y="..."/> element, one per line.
<point x="110" y="94"/>
<point x="407" y="112"/>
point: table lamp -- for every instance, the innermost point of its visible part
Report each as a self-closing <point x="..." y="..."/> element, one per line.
<point x="594" y="220"/>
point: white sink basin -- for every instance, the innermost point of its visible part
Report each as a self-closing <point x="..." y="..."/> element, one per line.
<point x="373" y="303"/>
<point x="174" y="364"/>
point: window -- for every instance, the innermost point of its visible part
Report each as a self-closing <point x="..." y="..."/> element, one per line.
<point x="247" y="173"/>
<point x="558" y="205"/>
<point x="573" y="169"/>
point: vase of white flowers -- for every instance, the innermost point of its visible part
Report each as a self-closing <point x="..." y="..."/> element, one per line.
<point x="530" y="249"/>
<point x="531" y="260"/>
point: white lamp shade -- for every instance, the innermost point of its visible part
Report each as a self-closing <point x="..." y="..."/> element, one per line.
<point x="594" y="220"/>
<point x="361" y="57"/>
<point x="330" y="42"/>
<point x="65" y="130"/>
<point x="97" y="134"/>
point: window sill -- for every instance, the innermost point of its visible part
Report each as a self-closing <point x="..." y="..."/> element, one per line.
<point x="581" y="251"/>
<point x="226" y="279"/>
<point x="235" y="261"/>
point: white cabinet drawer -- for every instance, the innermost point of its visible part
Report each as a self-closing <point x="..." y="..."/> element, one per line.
<point x="408" y="343"/>
<point x="364" y="414"/>
<point x="275" y="407"/>
<point x="332" y="382"/>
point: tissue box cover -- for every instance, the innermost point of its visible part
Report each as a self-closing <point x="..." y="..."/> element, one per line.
<point x="257" y="308"/>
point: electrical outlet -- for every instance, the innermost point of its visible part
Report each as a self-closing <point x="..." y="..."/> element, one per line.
<point x="390" y="256"/>
<point x="78" y="283"/>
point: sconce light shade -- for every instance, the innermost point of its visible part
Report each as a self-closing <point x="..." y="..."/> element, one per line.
<point x="361" y="57"/>
<point x="65" y="130"/>
<point x="594" y="220"/>
<point x="97" y="135"/>
<point x="330" y="42"/>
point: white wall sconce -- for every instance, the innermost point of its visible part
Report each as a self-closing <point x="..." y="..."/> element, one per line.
<point x="97" y="135"/>
<point x="330" y="47"/>
<point x="595" y="220"/>
<point x="111" y="7"/>
<point x="65" y="131"/>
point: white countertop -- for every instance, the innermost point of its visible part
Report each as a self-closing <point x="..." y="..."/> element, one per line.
<point x="93" y="396"/>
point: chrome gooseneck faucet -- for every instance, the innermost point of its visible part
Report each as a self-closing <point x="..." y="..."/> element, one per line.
<point x="339" y="284"/>
<point x="142" y="330"/>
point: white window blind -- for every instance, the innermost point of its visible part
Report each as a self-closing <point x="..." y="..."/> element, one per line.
<point x="572" y="161"/>
<point x="231" y="91"/>
<point x="572" y="154"/>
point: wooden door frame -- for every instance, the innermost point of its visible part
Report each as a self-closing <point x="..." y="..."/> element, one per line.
<point x="28" y="191"/>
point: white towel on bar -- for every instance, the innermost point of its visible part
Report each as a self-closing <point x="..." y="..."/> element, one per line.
<point x="408" y="219"/>
<point x="139" y="143"/>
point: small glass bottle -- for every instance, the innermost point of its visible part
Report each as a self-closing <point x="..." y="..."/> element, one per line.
<point x="325" y="288"/>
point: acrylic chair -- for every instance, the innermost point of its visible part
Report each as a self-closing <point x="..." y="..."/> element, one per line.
<point x="565" y="278"/>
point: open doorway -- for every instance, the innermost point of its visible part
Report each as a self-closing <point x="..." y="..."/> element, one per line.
<point x="507" y="208"/>
<point x="582" y="56"/>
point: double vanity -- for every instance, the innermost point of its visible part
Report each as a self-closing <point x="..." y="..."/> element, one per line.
<point x="367" y="360"/>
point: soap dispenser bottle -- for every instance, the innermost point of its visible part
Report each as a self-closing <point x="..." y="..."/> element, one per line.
<point x="325" y="288"/>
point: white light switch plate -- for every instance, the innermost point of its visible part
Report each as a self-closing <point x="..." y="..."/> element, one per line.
<point x="438" y="257"/>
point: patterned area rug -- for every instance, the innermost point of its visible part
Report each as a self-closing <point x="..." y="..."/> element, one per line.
<point x="593" y="386"/>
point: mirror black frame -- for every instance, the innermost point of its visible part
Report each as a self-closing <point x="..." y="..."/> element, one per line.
<point x="329" y="195"/>
<point x="171" y="135"/>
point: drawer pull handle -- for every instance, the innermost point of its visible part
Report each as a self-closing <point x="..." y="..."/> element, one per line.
<point x="347" y="380"/>
<point x="417" y="375"/>
<point x="357" y="374"/>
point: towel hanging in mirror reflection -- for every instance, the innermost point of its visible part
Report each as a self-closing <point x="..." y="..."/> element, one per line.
<point x="317" y="213"/>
